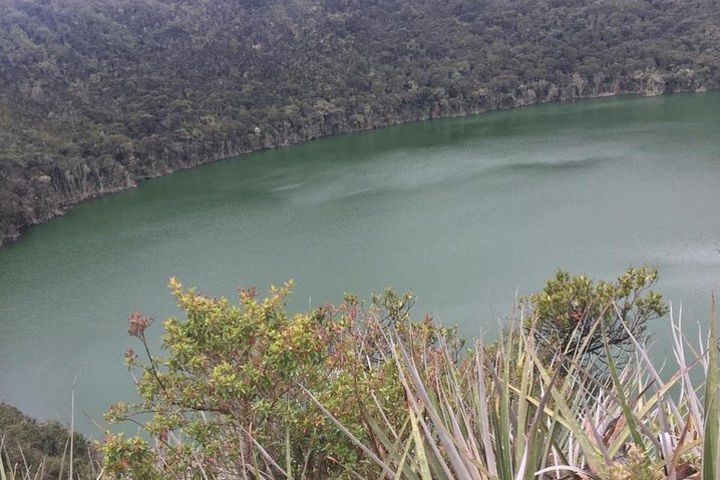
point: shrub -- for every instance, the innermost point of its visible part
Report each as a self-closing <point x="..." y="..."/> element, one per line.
<point x="573" y="310"/>
<point x="231" y="394"/>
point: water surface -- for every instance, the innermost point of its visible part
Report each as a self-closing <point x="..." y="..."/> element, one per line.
<point x="465" y="212"/>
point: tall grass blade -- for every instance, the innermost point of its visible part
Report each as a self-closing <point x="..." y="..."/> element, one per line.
<point x="2" y="465"/>
<point x="421" y="457"/>
<point x="620" y="392"/>
<point x="503" y="427"/>
<point x="288" y="455"/>
<point x="710" y="446"/>
<point x="484" y="412"/>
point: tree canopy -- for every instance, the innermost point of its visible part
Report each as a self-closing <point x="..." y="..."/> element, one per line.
<point x="97" y="95"/>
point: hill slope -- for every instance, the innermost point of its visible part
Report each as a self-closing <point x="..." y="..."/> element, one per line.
<point x="96" y="95"/>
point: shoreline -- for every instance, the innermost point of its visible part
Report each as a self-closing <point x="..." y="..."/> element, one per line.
<point x="7" y="240"/>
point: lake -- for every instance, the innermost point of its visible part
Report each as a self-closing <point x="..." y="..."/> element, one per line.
<point x="467" y="213"/>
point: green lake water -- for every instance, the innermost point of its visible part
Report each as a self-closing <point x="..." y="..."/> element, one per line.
<point x="465" y="212"/>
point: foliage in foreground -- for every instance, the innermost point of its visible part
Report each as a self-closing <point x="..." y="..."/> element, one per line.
<point x="353" y="391"/>
<point x="234" y="385"/>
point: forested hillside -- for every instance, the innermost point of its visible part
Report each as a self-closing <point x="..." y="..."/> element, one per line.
<point x="96" y="95"/>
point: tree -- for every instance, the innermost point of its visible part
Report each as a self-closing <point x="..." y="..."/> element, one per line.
<point x="571" y="312"/>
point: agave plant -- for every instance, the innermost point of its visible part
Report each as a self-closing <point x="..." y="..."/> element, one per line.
<point x="501" y="413"/>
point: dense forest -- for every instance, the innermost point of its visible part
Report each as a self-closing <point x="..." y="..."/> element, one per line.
<point x="97" y="95"/>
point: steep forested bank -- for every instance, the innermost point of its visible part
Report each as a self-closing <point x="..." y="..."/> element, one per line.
<point x="26" y="442"/>
<point x="96" y="96"/>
